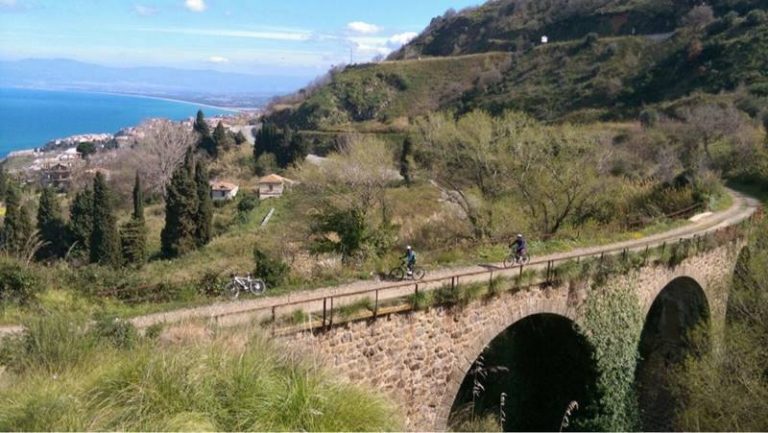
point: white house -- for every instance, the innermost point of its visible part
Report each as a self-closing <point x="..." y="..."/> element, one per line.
<point x="273" y="186"/>
<point x="221" y="191"/>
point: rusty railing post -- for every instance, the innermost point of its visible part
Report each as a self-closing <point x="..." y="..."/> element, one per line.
<point x="325" y="310"/>
<point x="274" y="320"/>
<point x="330" y="314"/>
<point x="376" y="305"/>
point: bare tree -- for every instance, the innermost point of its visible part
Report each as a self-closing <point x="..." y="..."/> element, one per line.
<point x="161" y="150"/>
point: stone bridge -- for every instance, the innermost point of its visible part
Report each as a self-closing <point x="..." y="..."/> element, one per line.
<point x="421" y="358"/>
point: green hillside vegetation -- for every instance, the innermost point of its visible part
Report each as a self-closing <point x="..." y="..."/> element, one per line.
<point x="591" y="77"/>
<point x="514" y="25"/>
<point x="62" y="375"/>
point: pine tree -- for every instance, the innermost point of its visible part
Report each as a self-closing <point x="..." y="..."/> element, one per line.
<point x="178" y="235"/>
<point x="133" y="234"/>
<point x="204" y="216"/>
<point x="405" y="162"/>
<point x="17" y="227"/>
<point x="206" y="142"/>
<point x="222" y="138"/>
<point x="105" y="243"/>
<point x="81" y="219"/>
<point x="50" y="224"/>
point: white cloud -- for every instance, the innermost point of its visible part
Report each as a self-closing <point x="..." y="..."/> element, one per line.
<point x="363" y="28"/>
<point x="144" y="11"/>
<point x="267" y="34"/>
<point x="400" y="39"/>
<point x="195" y="5"/>
<point x="218" y="59"/>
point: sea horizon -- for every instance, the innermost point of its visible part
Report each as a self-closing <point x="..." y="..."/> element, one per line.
<point x="32" y="117"/>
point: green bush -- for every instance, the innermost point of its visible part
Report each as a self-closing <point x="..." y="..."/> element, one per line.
<point x="273" y="271"/>
<point x="247" y="203"/>
<point x="118" y="332"/>
<point x="757" y="17"/>
<point x="18" y="284"/>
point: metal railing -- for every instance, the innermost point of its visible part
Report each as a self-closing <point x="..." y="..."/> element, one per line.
<point x="332" y="303"/>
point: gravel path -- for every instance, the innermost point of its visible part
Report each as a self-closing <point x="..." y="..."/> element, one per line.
<point x="312" y="300"/>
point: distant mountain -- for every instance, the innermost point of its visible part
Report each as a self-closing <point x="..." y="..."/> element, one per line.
<point x="74" y="75"/>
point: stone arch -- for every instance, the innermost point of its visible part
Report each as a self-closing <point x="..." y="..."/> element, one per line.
<point x="557" y="305"/>
<point x="678" y="309"/>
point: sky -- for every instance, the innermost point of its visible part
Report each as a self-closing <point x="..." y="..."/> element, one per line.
<point x="261" y="37"/>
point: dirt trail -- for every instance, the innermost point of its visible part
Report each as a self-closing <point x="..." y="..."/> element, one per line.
<point x="742" y="208"/>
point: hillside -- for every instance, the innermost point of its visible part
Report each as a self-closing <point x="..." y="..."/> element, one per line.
<point x="511" y="25"/>
<point x="588" y="77"/>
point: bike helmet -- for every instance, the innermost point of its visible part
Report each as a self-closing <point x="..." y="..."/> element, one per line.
<point x="519" y="235"/>
<point x="408" y="247"/>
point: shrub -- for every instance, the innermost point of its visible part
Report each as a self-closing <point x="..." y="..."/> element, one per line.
<point x="273" y="271"/>
<point x="211" y="284"/>
<point x="18" y="284"/>
<point x="247" y="203"/>
<point x="757" y="17"/>
<point x="118" y="332"/>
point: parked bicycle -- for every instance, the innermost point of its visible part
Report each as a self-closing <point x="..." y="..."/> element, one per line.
<point x="400" y="273"/>
<point x="515" y="259"/>
<point x="244" y="284"/>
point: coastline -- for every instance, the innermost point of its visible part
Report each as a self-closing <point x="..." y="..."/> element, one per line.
<point x="138" y="95"/>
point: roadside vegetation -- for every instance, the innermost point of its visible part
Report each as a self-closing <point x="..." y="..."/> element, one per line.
<point x="66" y="373"/>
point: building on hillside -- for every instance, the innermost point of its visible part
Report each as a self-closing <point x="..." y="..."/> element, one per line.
<point x="221" y="191"/>
<point x="57" y="176"/>
<point x="273" y="186"/>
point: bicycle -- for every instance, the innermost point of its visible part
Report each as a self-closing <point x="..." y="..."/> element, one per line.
<point x="514" y="259"/>
<point x="244" y="284"/>
<point x="400" y="273"/>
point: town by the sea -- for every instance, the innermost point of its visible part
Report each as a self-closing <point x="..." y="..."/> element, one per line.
<point x="31" y="118"/>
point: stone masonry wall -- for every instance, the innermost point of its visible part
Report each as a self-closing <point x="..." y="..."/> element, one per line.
<point x="421" y="358"/>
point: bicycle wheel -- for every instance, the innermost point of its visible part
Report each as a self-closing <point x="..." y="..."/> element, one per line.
<point x="525" y="259"/>
<point x="232" y="290"/>
<point x="419" y="273"/>
<point x="257" y="287"/>
<point x="397" y="274"/>
<point x="509" y="261"/>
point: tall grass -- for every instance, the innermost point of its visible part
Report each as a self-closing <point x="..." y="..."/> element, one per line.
<point x="194" y="386"/>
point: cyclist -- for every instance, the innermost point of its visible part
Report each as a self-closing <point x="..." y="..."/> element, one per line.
<point x="410" y="259"/>
<point x="520" y="246"/>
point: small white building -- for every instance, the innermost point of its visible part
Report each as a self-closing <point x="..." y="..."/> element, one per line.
<point x="273" y="186"/>
<point x="221" y="191"/>
<point x="544" y="39"/>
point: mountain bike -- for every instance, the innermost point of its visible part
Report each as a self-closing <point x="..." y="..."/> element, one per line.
<point x="244" y="284"/>
<point x="400" y="273"/>
<point x="514" y="259"/>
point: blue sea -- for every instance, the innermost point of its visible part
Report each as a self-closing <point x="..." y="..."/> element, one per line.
<point x="30" y="118"/>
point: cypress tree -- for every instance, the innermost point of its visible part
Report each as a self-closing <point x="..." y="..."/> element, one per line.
<point x="105" y="243"/>
<point x="17" y="226"/>
<point x="204" y="215"/>
<point x="206" y="142"/>
<point x="81" y="219"/>
<point x="405" y="163"/>
<point x="50" y="224"/>
<point x="178" y="235"/>
<point x="223" y="140"/>
<point x="133" y="234"/>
